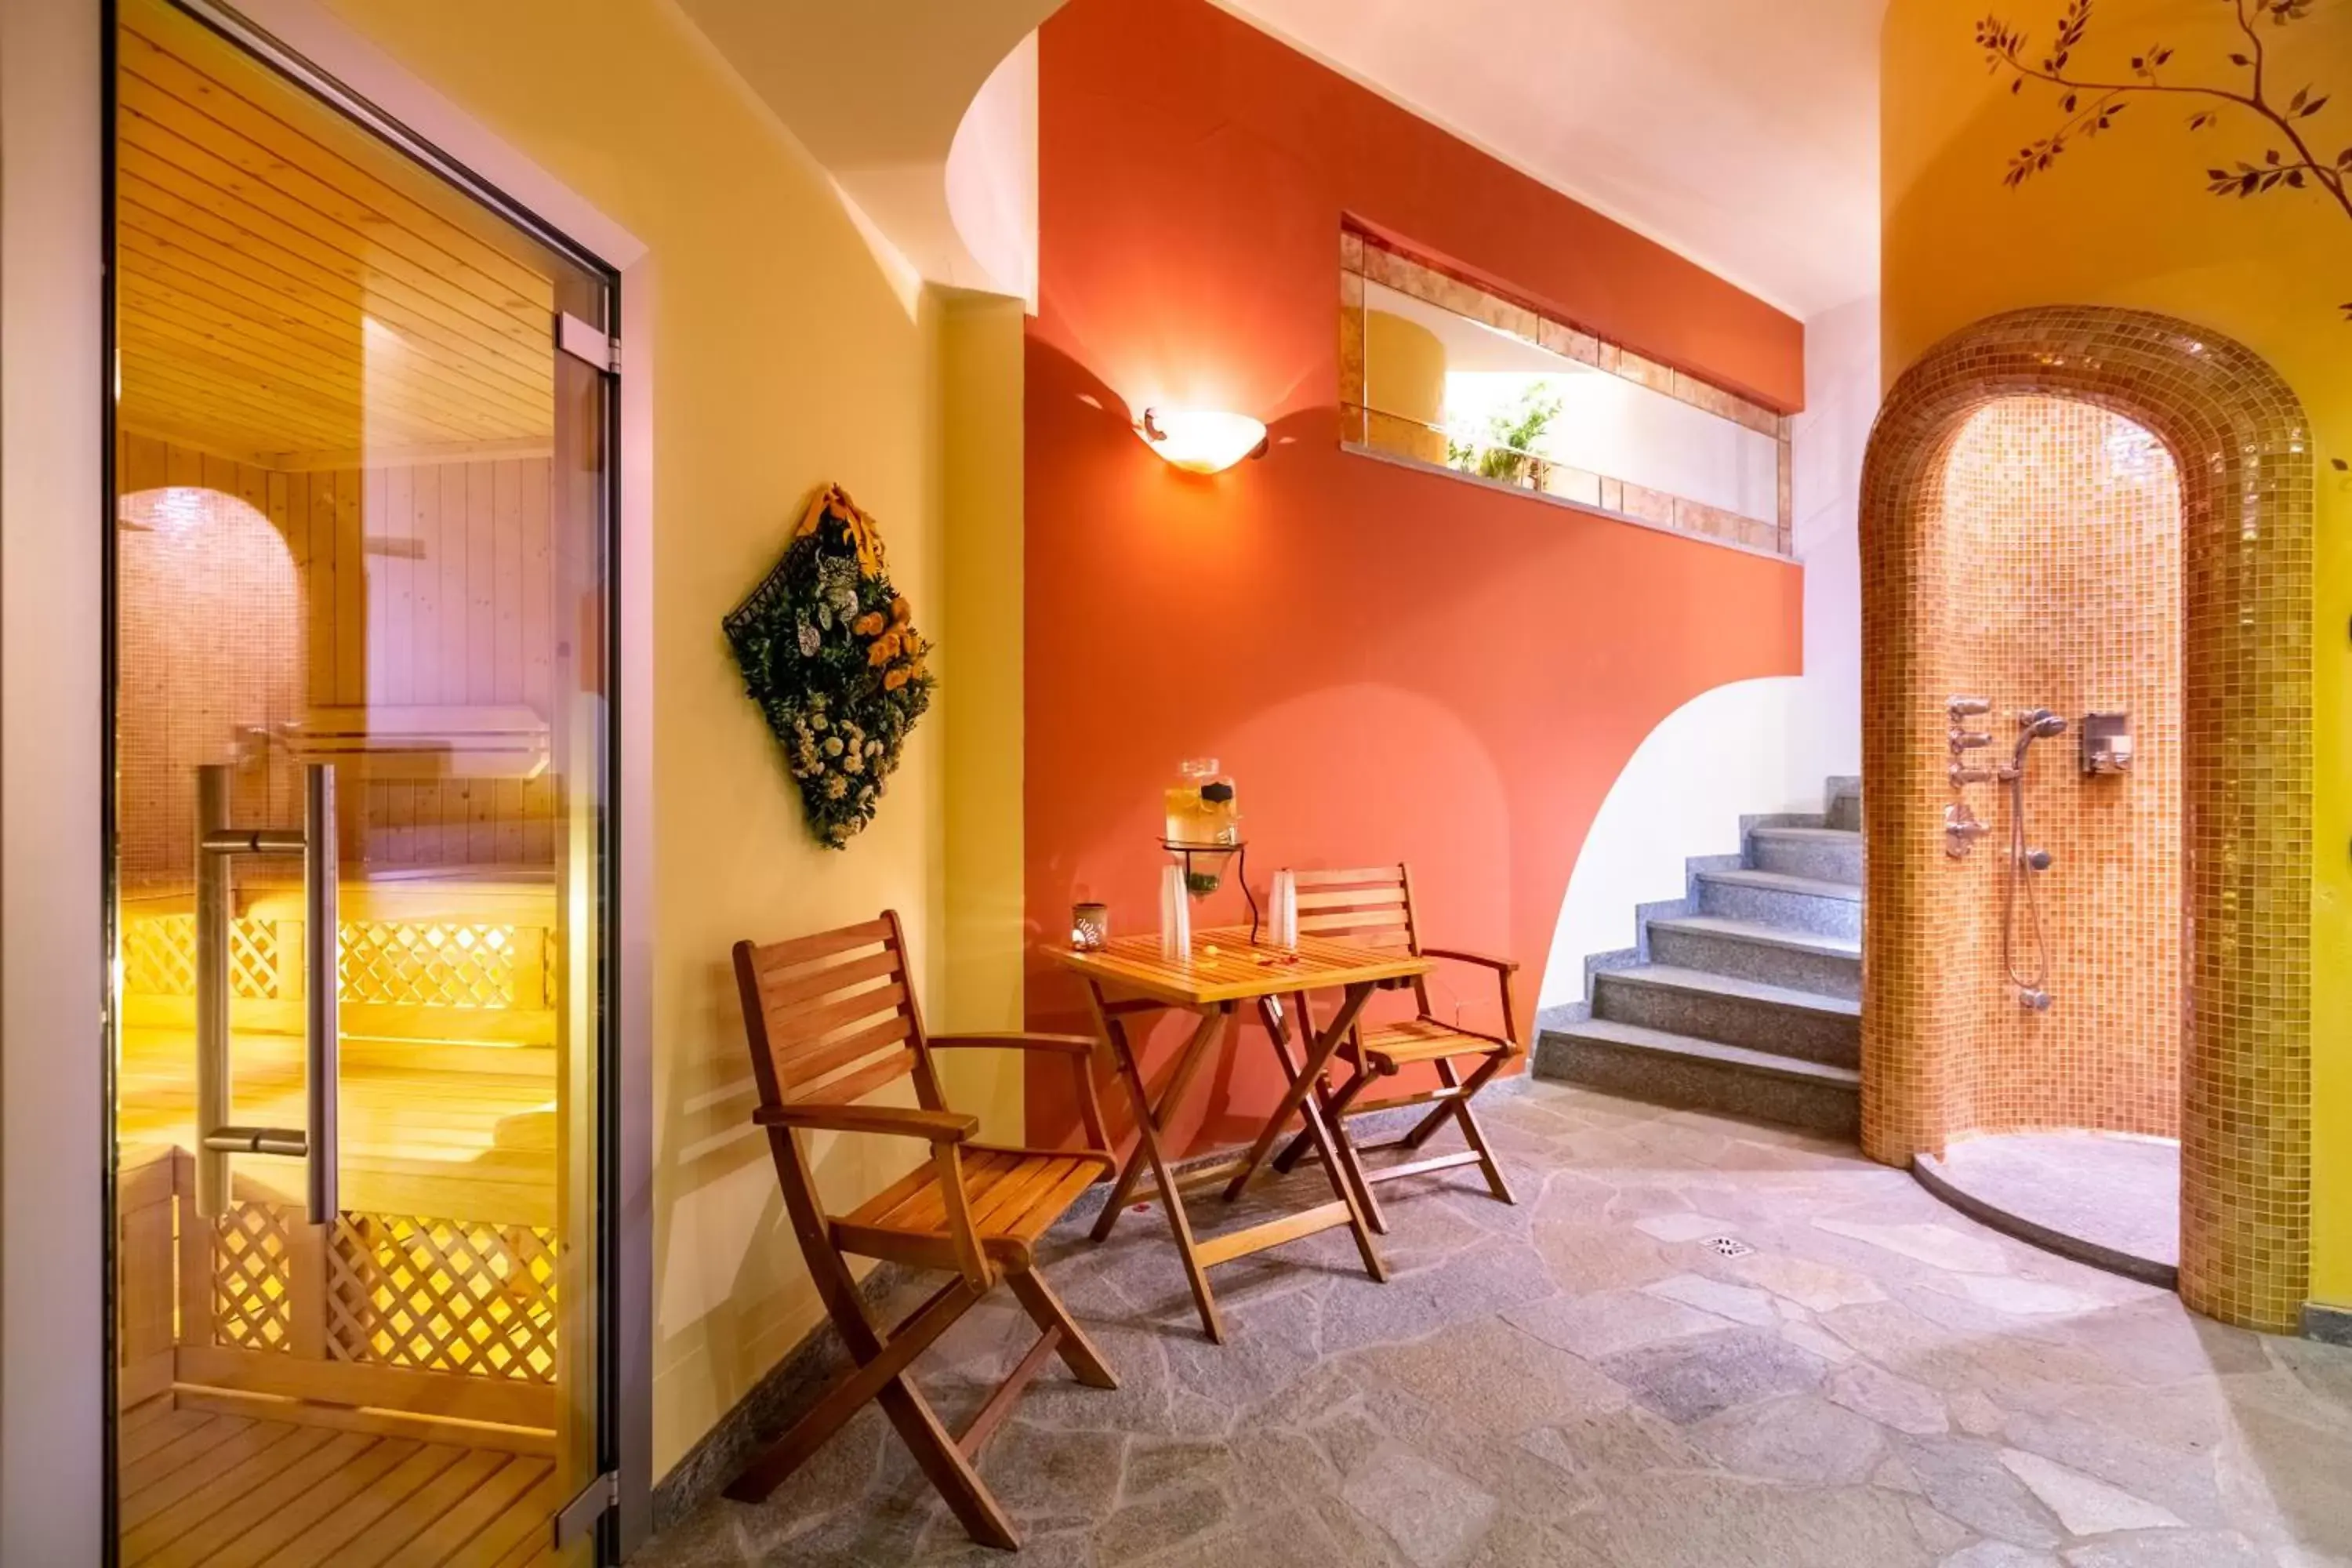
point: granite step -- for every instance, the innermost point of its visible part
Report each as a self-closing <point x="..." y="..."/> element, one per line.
<point x="1775" y="898"/>
<point x="1752" y="950"/>
<point x="1668" y="1069"/>
<point x="1823" y="854"/>
<point x="1732" y="1011"/>
<point x="1845" y="809"/>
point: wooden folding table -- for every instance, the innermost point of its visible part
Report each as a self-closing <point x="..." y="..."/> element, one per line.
<point x="1128" y="977"/>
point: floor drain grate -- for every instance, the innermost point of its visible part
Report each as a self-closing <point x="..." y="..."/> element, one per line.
<point x="1727" y="1246"/>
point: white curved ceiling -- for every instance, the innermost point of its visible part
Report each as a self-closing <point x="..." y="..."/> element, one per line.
<point x="1743" y="135"/>
<point x="877" y="93"/>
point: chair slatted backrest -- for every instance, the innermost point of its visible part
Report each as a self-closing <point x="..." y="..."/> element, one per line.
<point x="832" y="1017"/>
<point x="1365" y="906"/>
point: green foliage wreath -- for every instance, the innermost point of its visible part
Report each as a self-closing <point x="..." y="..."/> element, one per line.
<point x="829" y="651"/>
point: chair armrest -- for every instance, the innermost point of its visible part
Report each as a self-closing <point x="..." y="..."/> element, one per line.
<point x="907" y="1122"/>
<point x="1460" y="955"/>
<point x="1078" y="1051"/>
<point x="1061" y="1044"/>
<point x="1503" y="969"/>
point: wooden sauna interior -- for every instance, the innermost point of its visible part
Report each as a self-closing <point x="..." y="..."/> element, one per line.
<point x="340" y="539"/>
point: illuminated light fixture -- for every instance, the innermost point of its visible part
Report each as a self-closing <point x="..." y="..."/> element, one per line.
<point x="1203" y="442"/>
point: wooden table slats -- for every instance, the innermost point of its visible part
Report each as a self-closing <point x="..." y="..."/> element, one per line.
<point x="1224" y="967"/>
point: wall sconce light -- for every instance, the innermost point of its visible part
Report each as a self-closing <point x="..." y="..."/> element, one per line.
<point x="1202" y="442"/>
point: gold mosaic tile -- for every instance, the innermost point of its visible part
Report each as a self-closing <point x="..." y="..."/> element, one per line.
<point x="1694" y="517"/>
<point x="1758" y="418"/>
<point x="1649" y="372"/>
<point x="2060" y="592"/>
<point x="1649" y="505"/>
<point x="1352" y="338"/>
<point x="1407" y="438"/>
<point x="1690" y="389"/>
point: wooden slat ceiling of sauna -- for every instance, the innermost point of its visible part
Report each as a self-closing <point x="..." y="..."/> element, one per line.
<point x="293" y="295"/>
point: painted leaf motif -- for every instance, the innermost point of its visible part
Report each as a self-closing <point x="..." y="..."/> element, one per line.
<point x="2089" y="108"/>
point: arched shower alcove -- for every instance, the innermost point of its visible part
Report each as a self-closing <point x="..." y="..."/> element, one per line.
<point x="2238" y="440"/>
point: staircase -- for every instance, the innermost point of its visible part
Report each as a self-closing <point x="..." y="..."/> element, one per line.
<point x="1744" y="995"/>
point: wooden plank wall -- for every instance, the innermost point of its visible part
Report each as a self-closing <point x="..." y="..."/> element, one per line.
<point x="291" y="288"/>
<point x="430" y="585"/>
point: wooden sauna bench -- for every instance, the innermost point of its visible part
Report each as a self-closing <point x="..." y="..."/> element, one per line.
<point x="430" y="1131"/>
<point x="447" y="1110"/>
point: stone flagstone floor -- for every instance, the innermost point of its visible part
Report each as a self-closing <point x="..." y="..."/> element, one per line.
<point x="1592" y="1380"/>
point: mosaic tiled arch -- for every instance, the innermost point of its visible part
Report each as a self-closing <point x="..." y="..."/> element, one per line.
<point x="2241" y="442"/>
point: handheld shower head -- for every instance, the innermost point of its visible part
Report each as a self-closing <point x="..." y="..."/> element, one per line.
<point x="2036" y="724"/>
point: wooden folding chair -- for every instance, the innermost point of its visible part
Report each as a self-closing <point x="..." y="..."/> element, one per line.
<point x="1373" y="906"/>
<point x="831" y="1018"/>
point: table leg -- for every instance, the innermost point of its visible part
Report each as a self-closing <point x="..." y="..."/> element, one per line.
<point x="1147" y="1112"/>
<point x="1303" y="1141"/>
<point x="1347" y="1177"/>
<point x="1318" y="1056"/>
<point x="1147" y="1134"/>
<point x="1296" y="1150"/>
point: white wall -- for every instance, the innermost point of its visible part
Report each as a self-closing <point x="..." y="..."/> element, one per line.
<point x="1739" y="750"/>
<point x="1827" y="442"/>
<point x="992" y="178"/>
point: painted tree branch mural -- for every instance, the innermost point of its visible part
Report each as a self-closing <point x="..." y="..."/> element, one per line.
<point x="2088" y="106"/>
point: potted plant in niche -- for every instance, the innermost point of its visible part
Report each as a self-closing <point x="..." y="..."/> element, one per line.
<point x="1509" y="452"/>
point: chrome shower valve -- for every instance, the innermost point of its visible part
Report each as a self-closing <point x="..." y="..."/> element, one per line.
<point x="1961" y="830"/>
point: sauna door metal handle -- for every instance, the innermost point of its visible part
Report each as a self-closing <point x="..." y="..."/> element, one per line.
<point x="218" y="846"/>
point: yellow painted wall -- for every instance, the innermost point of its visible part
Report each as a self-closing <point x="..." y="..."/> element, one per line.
<point x="784" y="357"/>
<point x="2124" y="218"/>
<point x="1404" y="368"/>
<point x="1404" y="375"/>
<point x="979" y="397"/>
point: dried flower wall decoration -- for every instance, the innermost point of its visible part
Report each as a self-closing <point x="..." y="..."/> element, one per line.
<point x="2294" y="162"/>
<point x="829" y="651"/>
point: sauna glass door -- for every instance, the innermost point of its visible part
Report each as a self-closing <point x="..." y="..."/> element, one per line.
<point x="360" y="763"/>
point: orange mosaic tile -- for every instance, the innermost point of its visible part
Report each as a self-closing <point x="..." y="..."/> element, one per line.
<point x="2064" y="592"/>
<point x="2018" y="543"/>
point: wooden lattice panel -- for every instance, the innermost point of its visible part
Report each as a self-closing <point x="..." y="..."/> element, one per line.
<point x="252" y="957"/>
<point x="442" y="1295"/>
<point x="252" y="1279"/>
<point x="158" y="957"/>
<point x="428" y="963"/>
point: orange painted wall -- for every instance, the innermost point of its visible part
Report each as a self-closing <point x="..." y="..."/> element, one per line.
<point x="1391" y="663"/>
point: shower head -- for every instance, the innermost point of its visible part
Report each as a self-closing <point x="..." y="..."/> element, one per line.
<point x="2036" y="725"/>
